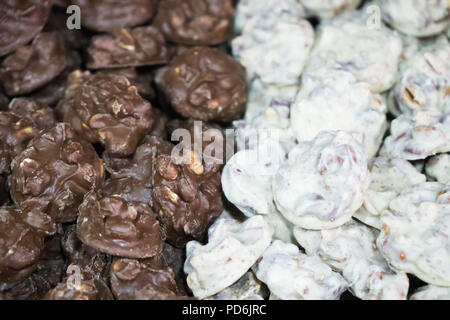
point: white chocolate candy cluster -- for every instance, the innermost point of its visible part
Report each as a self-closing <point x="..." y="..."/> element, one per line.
<point x="328" y="92"/>
<point x="420" y="18"/>
<point x="388" y="178"/>
<point x="323" y="181"/>
<point x="231" y="250"/>
<point x="370" y="53"/>
<point x="351" y="250"/>
<point x="415" y="232"/>
<point x="292" y="275"/>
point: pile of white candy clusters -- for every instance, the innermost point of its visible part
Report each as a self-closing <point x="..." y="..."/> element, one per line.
<point x="333" y="195"/>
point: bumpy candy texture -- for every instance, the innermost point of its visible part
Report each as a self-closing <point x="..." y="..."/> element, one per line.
<point x="248" y="287"/>
<point x="22" y="235"/>
<point x="388" y="178"/>
<point x="34" y="65"/>
<point x="186" y="193"/>
<point x="107" y="109"/>
<point x="329" y="92"/>
<point x="424" y="81"/>
<point x="40" y="115"/>
<point x="292" y="275"/>
<point x="415" y="232"/>
<point x="277" y="55"/>
<point x="54" y="172"/>
<point x="119" y="227"/>
<point x="15" y="133"/>
<point x="231" y="250"/>
<point x="148" y="279"/>
<point x="21" y="21"/>
<point x="418" y="136"/>
<point x="132" y="177"/>
<point x="351" y="250"/>
<point x="323" y="181"/>
<point x="349" y="42"/>
<point x="141" y="46"/>
<point x="108" y="15"/>
<point x="195" y="22"/>
<point x="206" y="84"/>
<point x="420" y="18"/>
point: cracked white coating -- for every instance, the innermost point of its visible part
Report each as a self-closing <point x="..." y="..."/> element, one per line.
<point x="231" y="250"/>
<point x="327" y="9"/>
<point x="333" y="99"/>
<point x="248" y="287"/>
<point x="438" y="168"/>
<point x="322" y="183"/>
<point x="266" y="13"/>
<point x="424" y="80"/>
<point x="415" y="233"/>
<point x="247" y="177"/>
<point x="371" y="54"/>
<point x="276" y="55"/>
<point x="351" y="250"/>
<point x="418" y="136"/>
<point x="388" y="178"/>
<point x="431" y="292"/>
<point x="420" y="18"/>
<point x="292" y="275"/>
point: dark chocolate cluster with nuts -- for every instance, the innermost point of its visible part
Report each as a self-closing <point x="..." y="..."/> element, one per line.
<point x="97" y="201"/>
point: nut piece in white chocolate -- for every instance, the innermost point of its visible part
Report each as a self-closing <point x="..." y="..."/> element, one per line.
<point x="267" y="13"/>
<point x="333" y="99"/>
<point x="431" y="292"/>
<point x="248" y="287"/>
<point x="247" y="178"/>
<point x="424" y="81"/>
<point x="292" y="275"/>
<point x="322" y="183"/>
<point x="351" y="250"/>
<point x="419" y="136"/>
<point x="388" y="178"/>
<point x="420" y="18"/>
<point x="327" y="9"/>
<point x="231" y="250"/>
<point x="438" y="168"/>
<point x="415" y="232"/>
<point x="371" y="54"/>
<point x="276" y="55"/>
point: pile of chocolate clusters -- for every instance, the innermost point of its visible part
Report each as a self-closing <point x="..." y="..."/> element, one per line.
<point x="129" y="132"/>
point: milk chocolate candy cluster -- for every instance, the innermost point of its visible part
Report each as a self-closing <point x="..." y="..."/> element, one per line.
<point x="107" y="15"/>
<point x="54" y="172"/>
<point x="32" y="66"/>
<point x="206" y="84"/>
<point x="195" y="22"/>
<point x="21" y="21"/>
<point x="128" y="48"/>
<point x="107" y="109"/>
<point x="22" y="235"/>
